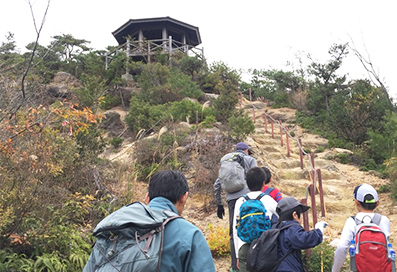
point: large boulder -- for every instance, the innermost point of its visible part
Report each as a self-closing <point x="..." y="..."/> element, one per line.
<point x="112" y="123"/>
<point x="62" y="86"/>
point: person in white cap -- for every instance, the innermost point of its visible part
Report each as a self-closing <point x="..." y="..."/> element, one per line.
<point x="366" y="200"/>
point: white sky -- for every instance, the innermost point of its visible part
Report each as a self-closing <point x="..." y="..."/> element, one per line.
<point x="259" y="34"/>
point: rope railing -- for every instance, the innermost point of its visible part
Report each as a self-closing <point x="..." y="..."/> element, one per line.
<point x="314" y="174"/>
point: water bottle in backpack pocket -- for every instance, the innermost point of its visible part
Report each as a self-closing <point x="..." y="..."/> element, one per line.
<point x="352" y="254"/>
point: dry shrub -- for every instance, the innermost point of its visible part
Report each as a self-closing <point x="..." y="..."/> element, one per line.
<point x="298" y="99"/>
<point x="218" y="240"/>
<point x="205" y="155"/>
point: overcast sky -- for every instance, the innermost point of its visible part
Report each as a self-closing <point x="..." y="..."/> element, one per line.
<point x="258" y="34"/>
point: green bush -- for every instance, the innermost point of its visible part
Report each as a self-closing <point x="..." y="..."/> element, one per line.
<point x="391" y="169"/>
<point x="240" y="127"/>
<point x="108" y="102"/>
<point x="183" y="86"/>
<point x="142" y="115"/>
<point x="183" y="110"/>
<point x="343" y="158"/>
<point x="321" y="258"/>
<point x="93" y="88"/>
<point x="116" y="142"/>
<point x="208" y="122"/>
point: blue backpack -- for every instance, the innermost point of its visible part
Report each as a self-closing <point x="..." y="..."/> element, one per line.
<point x="252" y="220"/>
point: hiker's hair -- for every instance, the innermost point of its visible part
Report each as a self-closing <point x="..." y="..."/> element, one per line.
<point x="268" y="174"/>
<point x="368" y="206"/>
<point x="255" y="177"/>
<point x="170" y="184"/>
<point x="288" y="214"/>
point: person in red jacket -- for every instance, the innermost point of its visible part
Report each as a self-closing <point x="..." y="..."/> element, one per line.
<point x="273" y="192"/>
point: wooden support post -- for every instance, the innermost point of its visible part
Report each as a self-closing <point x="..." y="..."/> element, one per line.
<point x="306" y="224"/>
<point x="313" y="169"/>
<point x="265" y="119"/>
<point x="281" y="133"/>
<point x="271" y="122"/>
<point x="313" y="202"/>
<point x="301" y="152"/>
<point x="305" y="216"/>
<point x="320" y="188"/>
<point x="148" y="52"/>
<point x="170" y="50"/>
<point x="287" y="140"/>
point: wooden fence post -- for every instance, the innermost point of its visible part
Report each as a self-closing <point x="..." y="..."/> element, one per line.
<point x="300" y="152"/>
<point x="265" y="118"/>
<point x="305" y="216"/>
<point x="312" y="190"/>
<point x="281" y="133"/>
<point x="320" y="188"/>
<point x="271" y="122"/>
<point x="306" y="223"/>
<point x="287" y="140"/>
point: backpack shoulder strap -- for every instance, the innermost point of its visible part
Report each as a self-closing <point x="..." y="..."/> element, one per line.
<point x="285" y="227"/>
<point x="260" y="196"/>
<point x="287" y="254"/>
<point x="282" y="259"/>
<point x="240" y="160"/>
<point x="377" y="218"/>
<point x="268" y="190"/>
<point x="246" y="197"/>
<point x="170" y="216"/>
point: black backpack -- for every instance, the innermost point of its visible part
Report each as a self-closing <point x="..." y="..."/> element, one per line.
<point x="262" y="255"/>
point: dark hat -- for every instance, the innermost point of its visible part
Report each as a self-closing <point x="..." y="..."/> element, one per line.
<point x="288" y="203"/>
<point x="241" y="146"/>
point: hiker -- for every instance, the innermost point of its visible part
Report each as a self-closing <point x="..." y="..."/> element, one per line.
<point x="273" y="192"/>
<point x="244" y="151"/>
<point x="366" y="200"/>
<point x="153" y="236"/>
<point x="185" y="248"/>
<point x="295" y="238"/>
<point x="255" y="181"/>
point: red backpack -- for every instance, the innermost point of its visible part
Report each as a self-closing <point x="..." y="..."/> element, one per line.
<point x="371" y="246"/>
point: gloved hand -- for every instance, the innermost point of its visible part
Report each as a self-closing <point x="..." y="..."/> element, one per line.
<point x="321" y="225"/>
<point x="221" y="211"/>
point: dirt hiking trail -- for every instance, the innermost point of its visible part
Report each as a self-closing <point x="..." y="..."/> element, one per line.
<point x="338" y="180"/>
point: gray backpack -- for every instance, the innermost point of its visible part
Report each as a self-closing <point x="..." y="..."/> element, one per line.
<point x="129" y="239"/>
<point x="232" y="172"/>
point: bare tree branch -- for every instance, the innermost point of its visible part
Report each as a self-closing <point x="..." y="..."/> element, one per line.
<point x="373" y="75"/>
<point x="38" y="32"/>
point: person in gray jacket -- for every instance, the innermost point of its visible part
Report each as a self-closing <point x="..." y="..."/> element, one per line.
<point x="231" y="198"/>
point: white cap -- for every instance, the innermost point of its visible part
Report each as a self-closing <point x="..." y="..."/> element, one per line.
<point x="365" y="189"/>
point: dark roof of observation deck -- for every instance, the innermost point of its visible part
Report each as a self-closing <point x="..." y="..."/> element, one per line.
<point x="152" y="29"/>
